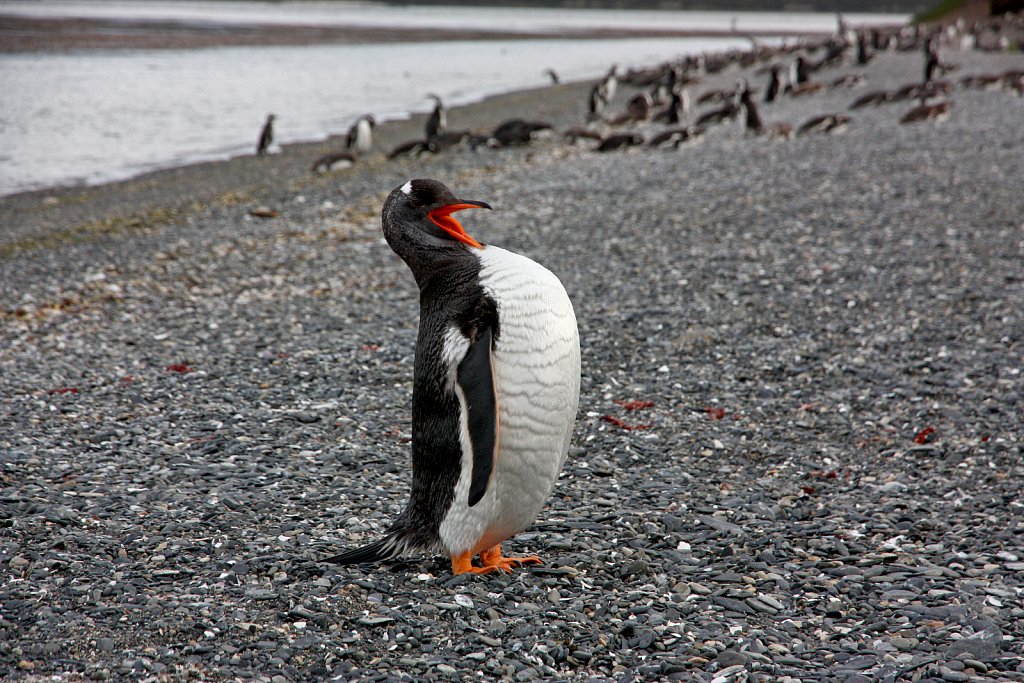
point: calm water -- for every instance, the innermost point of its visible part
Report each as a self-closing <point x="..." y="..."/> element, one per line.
<point x="96" y="116"/>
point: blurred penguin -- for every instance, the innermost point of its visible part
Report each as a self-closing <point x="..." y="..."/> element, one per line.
<point x="437" y="122"/>
<point x="360" y="135"/>
<point x="266" y="136"/>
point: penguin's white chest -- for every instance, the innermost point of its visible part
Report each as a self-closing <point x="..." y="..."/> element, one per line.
<point x="536" y="363"/>
<point x="364" y="136"/>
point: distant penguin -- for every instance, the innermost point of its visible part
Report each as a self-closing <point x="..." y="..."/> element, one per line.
<point x="675" y="137"/>
<point x="266" y="136"/>
<point x="927" y="112"/>
<point x="798" y="72"/>
<point x="437" y="122"/>
<point x="729" y="111"/>
<point x="638" y="108"/>
<point x="863" y="48"/>
<point x="610" y="84"/>
<point x="774" y="85"/>
<point x="496" y="383"/>
<point x="449" y="139"/>
<point x="620" y="141"/>
<point x="825" y="123"/>
<point x="931" y="61"/>
<point x="333" y="162"/>
<point x="411" y="148"/>
<point x="751" y="118"/>
<point x="360" y="135"/>
<point x="872" y="98"/>
<point x="516" y="132"/>
<point x="677" y="109"/>
<point x="550" y="73"/>
<point x="595" y="103"/>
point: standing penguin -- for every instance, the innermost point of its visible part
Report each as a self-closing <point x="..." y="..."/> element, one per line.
<point x="931" y="60"/>
<point x="437" y="122"/>
<point x="495" y="387"/>
<point x="266" y="136"/>
<point x="798" y="72"/>
<point x="774" y="85"/>
<point x="751" y="118"/>
<point x="360" y="135"/>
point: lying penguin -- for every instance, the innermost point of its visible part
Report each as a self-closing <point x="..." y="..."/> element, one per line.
<point x="495" y="390"/>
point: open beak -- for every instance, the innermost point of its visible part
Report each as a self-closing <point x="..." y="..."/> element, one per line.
<point x="442" y="218"/>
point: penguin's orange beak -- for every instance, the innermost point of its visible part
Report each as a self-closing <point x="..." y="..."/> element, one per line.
<point x="442" y="218"/>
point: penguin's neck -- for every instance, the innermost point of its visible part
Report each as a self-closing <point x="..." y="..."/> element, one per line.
<point x="449" y="267"/>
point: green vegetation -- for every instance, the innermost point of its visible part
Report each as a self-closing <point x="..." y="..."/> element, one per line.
<point x="938" y="11"/>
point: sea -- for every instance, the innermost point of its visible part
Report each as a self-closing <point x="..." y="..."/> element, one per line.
<point x="87" y="117"/>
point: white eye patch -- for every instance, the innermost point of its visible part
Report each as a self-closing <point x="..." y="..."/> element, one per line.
<point x="407" y="188"/>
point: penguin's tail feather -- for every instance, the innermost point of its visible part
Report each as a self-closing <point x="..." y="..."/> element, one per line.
<point x="387" y="548"/>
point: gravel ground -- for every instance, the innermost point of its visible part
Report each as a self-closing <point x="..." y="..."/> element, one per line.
<point x="798" y="455"/>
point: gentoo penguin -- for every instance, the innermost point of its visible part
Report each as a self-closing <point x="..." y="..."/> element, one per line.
<point x="927" y="112"/>
<point x="863" y="48"/>
<point x="825" y="123"/>
<point x="449" y="139"/>
<point x="872" y="98"/>
<point x="774" y="85"/>
<point x="495" y="387"/>
<point x="333" y="161"/>
<point x="931" y="60"/>
<point x="266" y="136"/>
<point x="360" y="135"/>
<point x="516" y="132"/>
<point x="675" y="137"/>
<point x="619" y="141"/>
<point x="550" y="73"/>
<point x="798" y="72"/>
<point x="610" y="83"/>
<point x="983" y="82"/>
<point x="411" y="148"/>
<point x="677" y="109"/>
<point x="595" y="103"/>
<point x="437" y="122"/>
<point x="730" y="110"/>
<point x="751" y="118"/>
<point x="638" y="108"/>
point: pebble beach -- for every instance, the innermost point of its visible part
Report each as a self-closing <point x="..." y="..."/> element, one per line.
<point x="798" y="455"/>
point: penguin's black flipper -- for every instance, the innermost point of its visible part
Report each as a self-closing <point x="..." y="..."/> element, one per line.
<point x="476" y="378"/>
<point x="384" y="549"/>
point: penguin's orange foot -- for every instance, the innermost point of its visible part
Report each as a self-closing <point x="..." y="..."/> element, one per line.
<point x="492" y="562"/>
<point x="493" y="558"/>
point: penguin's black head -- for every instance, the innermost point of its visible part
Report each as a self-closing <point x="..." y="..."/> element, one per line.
<point x="418" y="213"/>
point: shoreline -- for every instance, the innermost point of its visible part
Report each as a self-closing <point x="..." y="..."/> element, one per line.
<point x="52" y="215"/>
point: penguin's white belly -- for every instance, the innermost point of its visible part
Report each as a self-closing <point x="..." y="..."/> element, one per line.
<point x="364" y="136"/>
<point x="536" y="362"/>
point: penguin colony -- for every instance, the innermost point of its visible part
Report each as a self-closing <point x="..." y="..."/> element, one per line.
<point x="495" y="391"/>
<point x="666" y="95"/>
